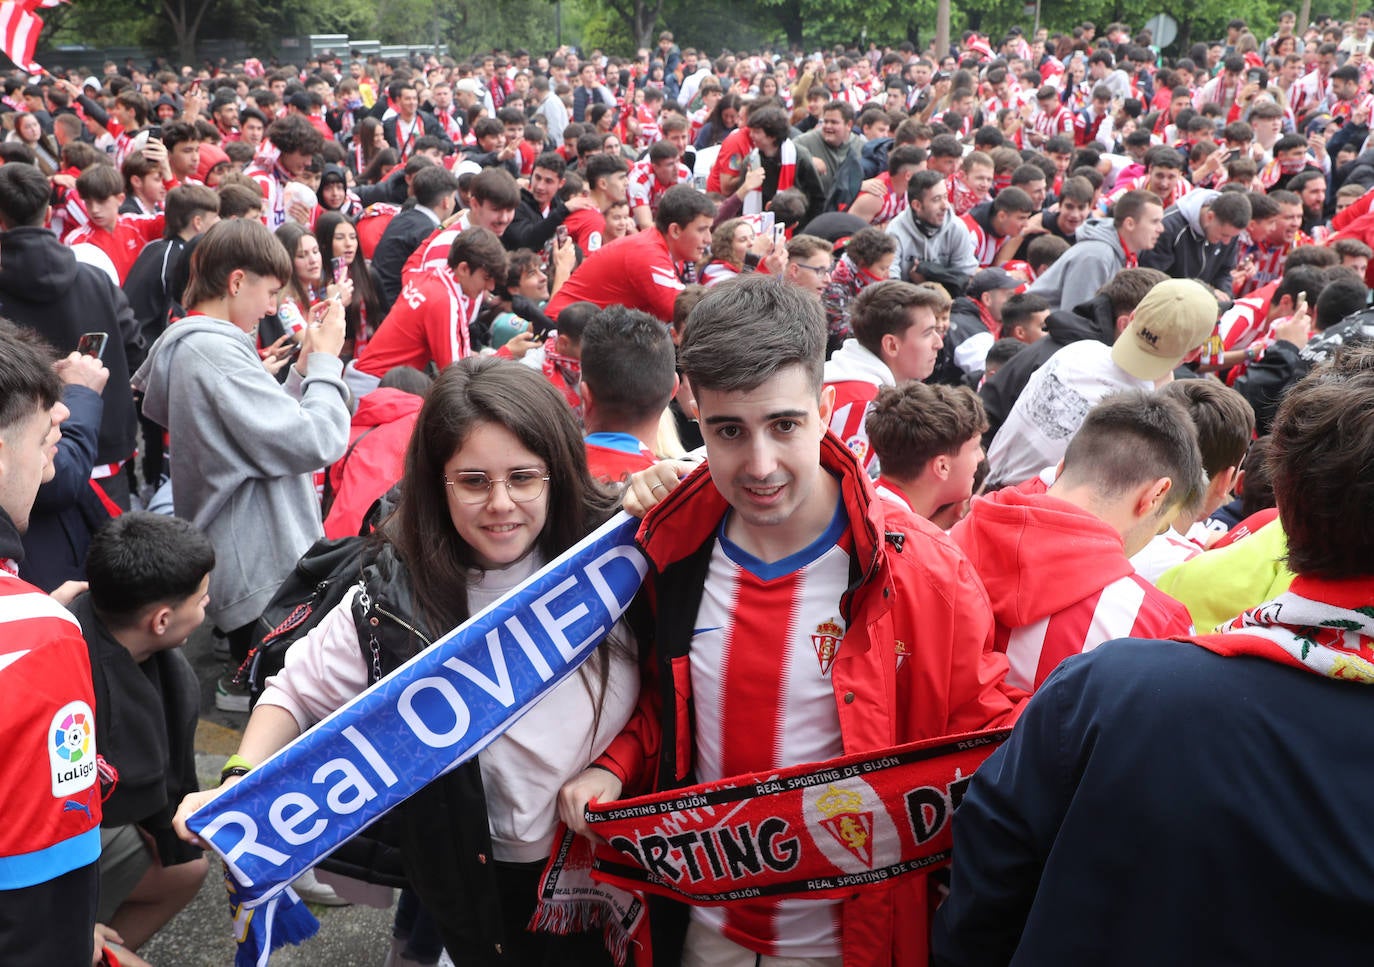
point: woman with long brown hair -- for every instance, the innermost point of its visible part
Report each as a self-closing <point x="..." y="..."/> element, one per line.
<point x="495" y="486"/>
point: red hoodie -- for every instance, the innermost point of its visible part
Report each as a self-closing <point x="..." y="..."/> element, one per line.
<point x="1059" y="582"/>
<point x="375" y="457"/>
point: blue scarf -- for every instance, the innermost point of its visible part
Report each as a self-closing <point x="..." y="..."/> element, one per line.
<point x="430" y="715"/>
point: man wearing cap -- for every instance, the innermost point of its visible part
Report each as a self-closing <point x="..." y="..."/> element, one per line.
<point x="1173" y="320"/>
<point x="975" y="320"/>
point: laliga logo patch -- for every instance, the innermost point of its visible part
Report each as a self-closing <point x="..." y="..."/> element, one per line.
<point x="859" y="446"/>
<point x="826" y="641"/>
<point x="849" y="824"/>
<point x="71" y="749"/>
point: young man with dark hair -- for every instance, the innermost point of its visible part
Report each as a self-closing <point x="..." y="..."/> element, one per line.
<point x="928" y="441"/>
<point x="434" y="189"/>
<point x="659" y="170"/>
<point x="541" y="211"/>
<point x="1038" y="859"/>
<point x="607" y="186"/>
<point x="409" y="123"/>
<point x="1200" y="239"/>
<point x="1225" y="425"/>
<point x="50" y="841"/>
<point x="998" y="226"/>
<point x="779" y="522"/>
<point x="896" y="337"/>
<point x="430" y="320"/>
<point x="149" y="577"/>
<point x="629" y="374"/>
<point x="646" y="270"/>
<point x="933" y="243"/>
<point x="182" y="142"/>
<point x="44" y="288"/>
<point x="1102" y="250"/>
<point x="295" y="142"/>
<point x="120" y="237"/>
<point x="1055" y="562"/>
<point x="976" y="320"/>
<point x="144" y="188"/>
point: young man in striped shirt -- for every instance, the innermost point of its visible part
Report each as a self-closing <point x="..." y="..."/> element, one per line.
<point x="784" y="595"/>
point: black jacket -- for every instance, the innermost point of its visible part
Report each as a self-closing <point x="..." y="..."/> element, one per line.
<point x="531" y="228"/>
<point x="1090" y="320"/>
<point x="402" y="237"/>
<point x="145" y="715"/>
<point x="155" y="284"/>
<point x="44" y="288"/>
<point x="428" y="123"/>
<point x="1183" y="251"/>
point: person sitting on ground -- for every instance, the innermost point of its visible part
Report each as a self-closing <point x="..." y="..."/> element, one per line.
<point x="629" y="374"/>
<point x="1225" y="424"/>
<point x="149" y="576"/>
<point x="896" y="338"/>
<point x="1055" y="564"/>
<point x="866" y="258"/>
<point x="1169" y="325"/>
<point x="928" y="441"/>
<point x="1103" y="249"/>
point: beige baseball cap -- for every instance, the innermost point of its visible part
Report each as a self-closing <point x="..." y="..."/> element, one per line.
<point x="1175" y="317"/>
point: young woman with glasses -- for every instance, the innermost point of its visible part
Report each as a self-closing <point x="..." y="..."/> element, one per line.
<point x="495" y="486"/>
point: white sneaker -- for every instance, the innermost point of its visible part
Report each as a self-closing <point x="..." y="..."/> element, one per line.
<point x="312" y="890"/>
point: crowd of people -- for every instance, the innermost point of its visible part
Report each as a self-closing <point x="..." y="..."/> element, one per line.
<point x="997" y="354"/>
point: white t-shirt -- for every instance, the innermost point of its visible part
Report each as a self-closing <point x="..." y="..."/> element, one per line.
<point x="1051" y="408"/>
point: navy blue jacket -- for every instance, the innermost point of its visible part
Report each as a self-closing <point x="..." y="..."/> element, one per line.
<point x="1158" y="803"/>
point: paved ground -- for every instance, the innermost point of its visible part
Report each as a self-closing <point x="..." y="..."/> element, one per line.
<point x="200" y="935"/>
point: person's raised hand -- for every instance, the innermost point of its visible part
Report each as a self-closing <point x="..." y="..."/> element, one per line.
<point x="67" y="592"/>
<point x="521" y="343"/>
<point x="77" y="369"/>
<point x="325" y="333"/>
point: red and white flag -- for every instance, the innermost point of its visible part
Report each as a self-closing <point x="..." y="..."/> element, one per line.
<point x="19" y="29"/>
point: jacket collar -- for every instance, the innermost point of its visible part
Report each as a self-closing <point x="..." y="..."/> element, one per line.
<point x="687" y="518"/>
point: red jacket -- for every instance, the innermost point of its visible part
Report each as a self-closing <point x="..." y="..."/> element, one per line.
<point x="375" y="458"/>
<point x="636" y="271"/>
<point x="1059" y="581"/>
<point x="916" y="663"/>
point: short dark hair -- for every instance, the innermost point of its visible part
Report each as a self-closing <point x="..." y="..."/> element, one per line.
<point x="868" y="245"/>
<point x="175" y="132"/>
<point x="1340" y="298"/>
<point x="1134" y="437"/>
<point x="27" y="379"/>
<point x="1078" y="190"/>
<point x="1233" y="208"/>
<point x="185" y="202"/>
<point x="1013" y="200"/>
<point x="479" y="248"/>
<point x="24" y="195"/>
<point x="140" y="559"/>
<point x="1125" y="290"/>
<point x="1321" y="447"/>
<point x="99" y="182"/>
<point x="884" y="308"/>
<point x="1224" y="420"/>
<point x="682" y="205"/>
<point x="629" y="363"/>
<point x="431" y="184"/>
<point x="600" y="166"/>
<point x="495" y="188"/>
<point x="1132" y="205"/>
<point x="912" y="424"/>
<point x="772" y="121"/>
<point x="551" y="161"/>
<point x="235" y="201"/>
<point x="920" y="183"/>
<point x="750" y="327"/>
<point x="1020" y="307"/>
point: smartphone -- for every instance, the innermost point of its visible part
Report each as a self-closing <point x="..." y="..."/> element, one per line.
<point x="1302" y="304"/>
<point x="155" y="131"/>
<point x="561" y="234"/>
<point x="779" y="234"/>
<point x="92" y="344"/>
<point x="340" y="265"/>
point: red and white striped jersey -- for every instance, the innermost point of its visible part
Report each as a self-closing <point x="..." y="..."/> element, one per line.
<point x="1308" y="92"/>
<point x="1129" y="607"/>
<point x="1363" y="100"/>
<point x="645" y="189"/>
<point x="1268" y="261"/>
<point x="893" y="202"/>
<point x="1053" y="124"/>
<point x="856" y="375"/>
<point x="1240" y="325"/>
<point x="764" y="641"/>
<point x="985" y="244"/>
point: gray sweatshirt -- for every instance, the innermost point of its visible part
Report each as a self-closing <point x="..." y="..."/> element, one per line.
<point x="1092" y="261"/>
<point x="244" y="449"/>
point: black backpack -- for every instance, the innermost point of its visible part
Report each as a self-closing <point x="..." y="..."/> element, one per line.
<point x="319" y="581"/>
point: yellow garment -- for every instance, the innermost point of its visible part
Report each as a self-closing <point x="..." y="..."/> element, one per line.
<point x="1217" y="585"/>
<point x="367" y="93"/>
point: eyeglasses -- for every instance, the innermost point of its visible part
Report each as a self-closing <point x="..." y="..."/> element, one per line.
<point x="474" y="487"/>
<point x="821" y="270"/>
